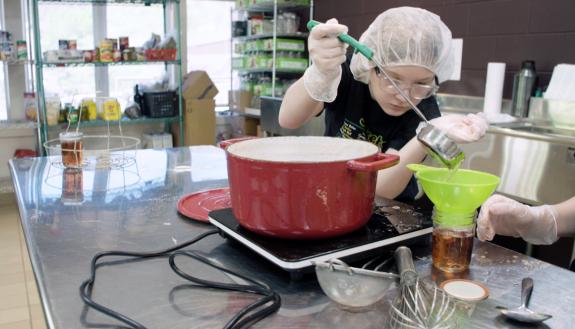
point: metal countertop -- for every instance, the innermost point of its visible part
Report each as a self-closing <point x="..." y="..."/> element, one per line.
<point x="134" y="208"/>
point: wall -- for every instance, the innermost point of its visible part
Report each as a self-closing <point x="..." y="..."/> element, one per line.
<point x="493" y="31"/>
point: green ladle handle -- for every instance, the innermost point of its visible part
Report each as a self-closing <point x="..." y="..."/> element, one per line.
<point x="358" y="46"/>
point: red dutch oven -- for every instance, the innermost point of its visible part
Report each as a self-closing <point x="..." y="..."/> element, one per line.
<point x="303" y="187"/>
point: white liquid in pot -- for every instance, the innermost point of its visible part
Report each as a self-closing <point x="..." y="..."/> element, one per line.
<point x="302" y="149"/>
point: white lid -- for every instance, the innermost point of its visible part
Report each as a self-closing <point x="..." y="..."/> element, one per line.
<point x="307" y="149"/>
<point x="465" y="289"/>
<point x="71" y="136"/>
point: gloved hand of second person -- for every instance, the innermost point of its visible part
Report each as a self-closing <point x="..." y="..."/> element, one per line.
<point x="462" y="128"/>
<point x="503" y="216"/>
<point x="327" y="53"/>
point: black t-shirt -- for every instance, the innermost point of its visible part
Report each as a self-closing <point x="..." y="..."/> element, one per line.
<point x="354" y="114"/>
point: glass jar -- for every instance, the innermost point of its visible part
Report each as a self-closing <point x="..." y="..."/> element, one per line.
<point x="71" y="144"/>
<point x="452" y="240"/>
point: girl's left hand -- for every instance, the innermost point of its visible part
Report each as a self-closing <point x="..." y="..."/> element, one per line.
<point x="462" y="128"/>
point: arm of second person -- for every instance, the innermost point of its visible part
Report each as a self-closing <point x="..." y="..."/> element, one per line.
<point x="392" y="181"/>
<point x="566" y="217"/>
<point x="297" y="106"/>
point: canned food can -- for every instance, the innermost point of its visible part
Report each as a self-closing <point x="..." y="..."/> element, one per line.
<point x="5" y="36"/>
<point x="71" y="113"/>
<point x="124" y="43"/>
<point x="21" y="49"/>
<point x="117" y="55"/>
<point x="63" y="45"/>
<point x="88" y="56"/>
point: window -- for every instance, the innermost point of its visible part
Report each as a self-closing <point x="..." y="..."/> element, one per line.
<point x="127" y="21"/>
<point x="209" y="34"/>
<point x="88" y="24"/>
<point x="66" y="22"/>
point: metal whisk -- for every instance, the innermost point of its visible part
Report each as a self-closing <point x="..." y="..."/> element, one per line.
<point x="420" y="305"/>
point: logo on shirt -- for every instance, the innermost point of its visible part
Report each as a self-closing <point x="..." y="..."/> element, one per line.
<point x="358" y="131"/>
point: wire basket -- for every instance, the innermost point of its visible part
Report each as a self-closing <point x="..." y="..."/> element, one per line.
<point x="94" y="152"/>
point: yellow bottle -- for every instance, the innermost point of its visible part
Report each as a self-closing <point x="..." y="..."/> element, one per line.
<point x="111" y="110"/>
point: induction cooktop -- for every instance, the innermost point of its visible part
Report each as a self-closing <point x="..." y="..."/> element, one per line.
<point x="391" y="223"/>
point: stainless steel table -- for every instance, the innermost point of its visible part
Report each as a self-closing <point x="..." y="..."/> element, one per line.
<point x="133" y="207"/>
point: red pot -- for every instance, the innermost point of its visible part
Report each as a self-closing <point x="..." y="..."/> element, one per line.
<point x="303" y="187"/>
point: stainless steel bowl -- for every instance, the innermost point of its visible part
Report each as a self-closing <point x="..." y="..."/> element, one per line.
<point x="440" y="147"/>
<point x="354" y="288"/>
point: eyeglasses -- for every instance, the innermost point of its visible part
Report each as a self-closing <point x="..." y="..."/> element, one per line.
<point x="416" y="91"/>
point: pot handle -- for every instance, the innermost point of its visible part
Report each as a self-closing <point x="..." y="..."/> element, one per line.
<point x="226" y="143"/>
<point x="382" y="161"/>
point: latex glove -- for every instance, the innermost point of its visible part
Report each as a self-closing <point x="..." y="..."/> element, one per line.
<point x="327" y="53"/>
<point x="462" y="128"/>
<point x="503" y="216"/>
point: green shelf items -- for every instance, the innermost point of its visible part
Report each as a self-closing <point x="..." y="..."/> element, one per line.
<point x="171" y="8"/>
<point x="106" y="2"/>
<point x="123" y="121"/>
<point x="268" y="5"/>
<point x="73" y="64"/>
<point x="300" y="35"/>
<point x="270" y="52"/>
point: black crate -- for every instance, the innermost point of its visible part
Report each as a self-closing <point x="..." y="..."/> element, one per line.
<point x="160" y="104"/>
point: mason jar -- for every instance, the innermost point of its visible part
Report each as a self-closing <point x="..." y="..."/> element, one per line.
<point x="452" y="240"/>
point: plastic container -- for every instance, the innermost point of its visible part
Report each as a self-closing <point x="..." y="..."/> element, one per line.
<point x="52" y="110"/>
<point x="160" y="104"/>
<point x="523" y="88"/>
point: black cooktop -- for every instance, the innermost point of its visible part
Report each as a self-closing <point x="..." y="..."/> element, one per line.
<point x="392" y="222"/>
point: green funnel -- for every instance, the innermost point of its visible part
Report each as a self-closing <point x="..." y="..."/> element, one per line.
<point x="461" y="193"/>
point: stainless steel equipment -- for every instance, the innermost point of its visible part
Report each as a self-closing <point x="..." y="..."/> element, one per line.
<point x="352" y="287"/>
<point x="420" y="305"/>
<point x="522" y="313"/>
<point x="440" y="147"/>
<point x="269" y="120"/>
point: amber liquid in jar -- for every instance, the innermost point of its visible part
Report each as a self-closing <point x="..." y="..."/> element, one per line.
<point x="451" y="251"/>
<point x="71" y="145"/>
<point x="452" y="240"/>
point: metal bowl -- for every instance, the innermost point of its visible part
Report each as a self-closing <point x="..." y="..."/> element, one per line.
<point x="440" y="146"/>
<point x="353" y="287"/>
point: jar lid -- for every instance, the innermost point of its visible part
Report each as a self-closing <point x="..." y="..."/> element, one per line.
<point x="71" y="136"/>
<point x="467" y="290"/>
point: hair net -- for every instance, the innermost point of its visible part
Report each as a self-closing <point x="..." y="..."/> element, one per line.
<point x="406" y="36"/>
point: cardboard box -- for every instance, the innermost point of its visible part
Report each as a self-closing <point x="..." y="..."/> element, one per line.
<point x="198" y="85"/>
<point x="239" y="99"/>
<point x="199" y="123"/>
<point x="157" y="140"/>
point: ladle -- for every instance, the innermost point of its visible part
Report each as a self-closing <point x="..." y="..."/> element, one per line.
<point x="436" y="141"/>
<point x="522" y="313"/>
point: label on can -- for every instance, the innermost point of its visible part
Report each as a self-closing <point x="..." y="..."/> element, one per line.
<point x="117" y="55"/>
<point x="63" y="45"/>
<point x="124" y="43"/>
<point x="21" y="49"/>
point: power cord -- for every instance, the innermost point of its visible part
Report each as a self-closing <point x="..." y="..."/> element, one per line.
<point x="268" y="304"/>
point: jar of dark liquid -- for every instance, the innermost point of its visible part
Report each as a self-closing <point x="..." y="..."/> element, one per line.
<point x="71" y="144"/>
<point x="452" y="241"/>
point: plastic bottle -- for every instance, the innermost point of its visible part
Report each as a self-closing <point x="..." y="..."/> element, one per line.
<point x="523" y="87"/>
